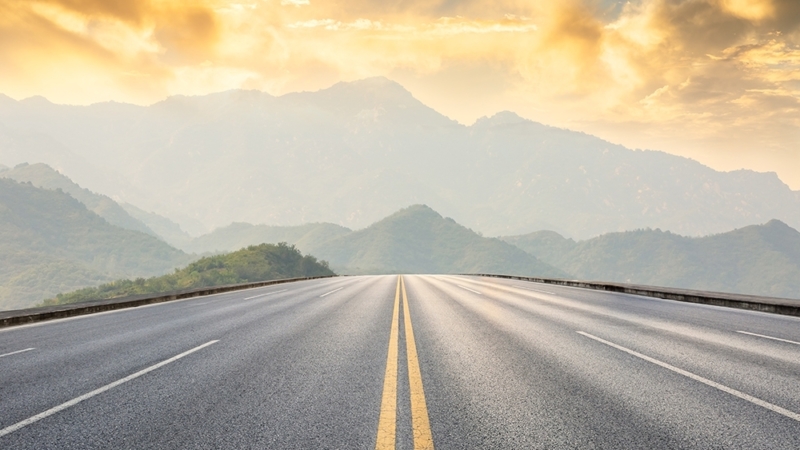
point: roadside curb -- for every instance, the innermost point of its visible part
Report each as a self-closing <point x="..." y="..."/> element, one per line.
<point x="31" y="315"/>
<point x="774" y="305"/>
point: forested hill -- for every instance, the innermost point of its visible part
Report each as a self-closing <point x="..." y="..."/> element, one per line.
<point x="255" y="263"/>
<point x="758" y="259"/>
<point x="417" y="239"/>
<point x="51" y="243"/>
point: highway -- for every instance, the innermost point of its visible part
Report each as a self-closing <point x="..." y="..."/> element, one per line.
<point x="421" y="361"/>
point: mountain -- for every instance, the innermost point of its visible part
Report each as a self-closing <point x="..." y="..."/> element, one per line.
<point x="169" y="231"/>
<point x="419" y="240"/>
<point x="237" y="235"/>
<point x="255" y="263"/>
<point x="355" y="152"/>
<point x="43" y="176"/>
<point x="51" y="243"/>
<point x="757" y="259"/>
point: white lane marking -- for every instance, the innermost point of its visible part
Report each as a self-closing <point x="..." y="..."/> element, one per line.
<point x="18" y="351"/>
<point x="464" y="287"/>
<point x="75" y="401"/>
<point x="331" y="292"/>
<point x="762" y="336"/>
<point x="535" y="290"/>
<point x="706" y="381"/>
<point x="264" y="295"/>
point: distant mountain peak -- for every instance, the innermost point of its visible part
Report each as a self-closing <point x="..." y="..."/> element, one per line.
<point x="502" y="118"/>
<point x="379" y="82"/>
<point x="36" y="100"/>
<point x="378" y="88"/>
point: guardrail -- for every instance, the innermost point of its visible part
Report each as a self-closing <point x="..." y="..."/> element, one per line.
<point x="30" y="315"/>
<point x="773" y="305"/>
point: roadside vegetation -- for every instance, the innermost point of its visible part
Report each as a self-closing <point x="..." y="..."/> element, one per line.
<point x="252" y="264"/>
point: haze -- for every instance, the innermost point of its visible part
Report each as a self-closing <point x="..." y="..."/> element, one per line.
<point x="714" y="80"/>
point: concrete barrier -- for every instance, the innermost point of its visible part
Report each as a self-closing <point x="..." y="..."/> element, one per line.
<point x="30" y="315"/>
<point x="773" y="305"/>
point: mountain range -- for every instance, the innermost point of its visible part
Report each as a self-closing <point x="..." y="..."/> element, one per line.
<point x="357" y="152"/>
<point x="757" y="259"/>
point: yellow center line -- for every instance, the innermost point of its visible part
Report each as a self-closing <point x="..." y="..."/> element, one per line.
<point x="423" y="439"/>
<point x="388" y="418"/>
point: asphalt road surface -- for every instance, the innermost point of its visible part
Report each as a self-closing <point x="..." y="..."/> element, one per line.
<point x="429" y="361"/>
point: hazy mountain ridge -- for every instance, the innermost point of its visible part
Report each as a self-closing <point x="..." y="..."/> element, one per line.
<point x="238" y="235"/>
<point x="356" y="152"/>
<point x="51" y="243"/>
<point x="169" y="231"/>
<point x="43" y="176"/>
<point x="757" y="259"/>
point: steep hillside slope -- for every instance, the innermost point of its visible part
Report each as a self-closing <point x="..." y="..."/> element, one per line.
<point x="51" y="243"/>
<point x="758" y="259"/>
<point x="419" y="240"/>
<point x="43" y="176"/>
<point x="356" y="152"/>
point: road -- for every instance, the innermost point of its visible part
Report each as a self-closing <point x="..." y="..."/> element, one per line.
<point x="434" y="361"/>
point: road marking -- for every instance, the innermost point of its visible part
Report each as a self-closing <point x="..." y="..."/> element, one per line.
<point x="734" y="392"/>
<point x="423" y="439"/>
<point x="471" y="290"/>
<point x="18" y="351"/>
<point x="75" y="401"/>
<point x="331" y="292"/>
<point x="264" y="295"/>
<point x="535" y="290"/>
<point x="762" y="336"/>
<point x="387" y="421"/>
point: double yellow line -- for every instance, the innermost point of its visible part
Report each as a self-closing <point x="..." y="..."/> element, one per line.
<point x="387" y="423"/>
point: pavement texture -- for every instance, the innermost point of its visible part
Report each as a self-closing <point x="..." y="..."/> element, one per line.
<point x="505" y="364"/>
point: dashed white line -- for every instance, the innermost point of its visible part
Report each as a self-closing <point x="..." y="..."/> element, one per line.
<point x="264" y="295"/>
<point x="769" y="337"/>
<point x="331" y="292"/>
<point x="75" y="401"/>
<point x="535" y="290"/>
<point x="471" y="290"/>
<point x="18" y="351"/>
<point x="706" y="381"/>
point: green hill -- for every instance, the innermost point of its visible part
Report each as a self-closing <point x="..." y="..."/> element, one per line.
<point x="51" y="243"/>
<point x="419" y="240"/>
<point x="758" y="259"/>
<point x="255" y="263"/>
<point x="43" y="176"/>
<point x="237" y="235"/>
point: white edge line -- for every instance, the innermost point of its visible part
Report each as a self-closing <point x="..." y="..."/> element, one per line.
<point x="464" y="287"/>
<point x="331" y="292"/>
<point x="75" y="401"/>
<point x="714" y="384"/>
<point x="264" y="295"/>
<point x="534" y="290"/>
<point x="18" y="351"/>
<point x="759" y="335"/>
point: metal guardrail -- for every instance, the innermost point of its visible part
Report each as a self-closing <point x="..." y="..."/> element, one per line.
<point x="773" y="305"/>
<point x="30" y="315"/>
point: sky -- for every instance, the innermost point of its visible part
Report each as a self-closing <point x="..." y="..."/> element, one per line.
<point x="714" y="80"/>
